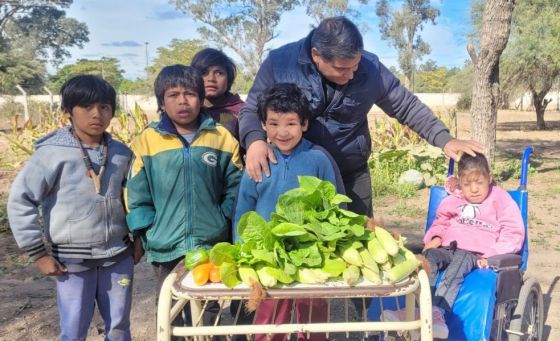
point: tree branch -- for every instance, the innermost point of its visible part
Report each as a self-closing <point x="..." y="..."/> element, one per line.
<point x="472" y="53"/>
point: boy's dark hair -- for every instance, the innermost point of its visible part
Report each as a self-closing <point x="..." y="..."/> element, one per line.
<point x="207" y="57"/>
<point x="178" y="75"/>
<point x="283" y="97"/>
<point x="84" y="90"/>
<point x="337" y="37"/>
<point x="478" y="163"/>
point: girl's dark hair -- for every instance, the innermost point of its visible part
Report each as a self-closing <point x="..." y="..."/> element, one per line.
<point x="478" y="163"/>
<point x="178" y="75"/>
<point x="337" y="37"/>
<point x="283" y="97"/>
<point x="84" y="90"/>
<point x="205" y="58"/>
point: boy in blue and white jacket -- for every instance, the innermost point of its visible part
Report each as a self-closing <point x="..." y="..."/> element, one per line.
<point x="74" y="181"/>
<point x="284" y="114"/>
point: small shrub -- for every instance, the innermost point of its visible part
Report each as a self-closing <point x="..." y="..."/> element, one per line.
<point x="406" y="190"/>
<point x="464" y="102"/>
<point x="4" y="227"/>
<point x="510" y="169"/>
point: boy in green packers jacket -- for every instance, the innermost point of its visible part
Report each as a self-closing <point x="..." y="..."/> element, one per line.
<point x="184" y="176"/>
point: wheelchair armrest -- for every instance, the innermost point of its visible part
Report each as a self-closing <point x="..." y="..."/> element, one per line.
<point x="503" y="262"/>
<point x="509" y="278"/>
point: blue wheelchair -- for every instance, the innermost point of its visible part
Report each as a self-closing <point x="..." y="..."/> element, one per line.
<point x="499" y="303"/>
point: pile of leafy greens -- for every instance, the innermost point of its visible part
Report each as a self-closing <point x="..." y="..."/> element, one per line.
<point x="304" y="241"/>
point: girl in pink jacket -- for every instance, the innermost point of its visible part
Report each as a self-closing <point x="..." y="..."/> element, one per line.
<point x="476" y="221"/>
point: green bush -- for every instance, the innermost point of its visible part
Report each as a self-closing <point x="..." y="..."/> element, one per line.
<point x="386" y="167"/>
<point x="464" y="102"/>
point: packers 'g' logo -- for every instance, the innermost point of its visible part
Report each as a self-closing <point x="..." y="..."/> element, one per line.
<point x="210" y="158"/>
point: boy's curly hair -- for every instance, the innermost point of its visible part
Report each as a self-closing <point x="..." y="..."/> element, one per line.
<point x="283" y="97"/>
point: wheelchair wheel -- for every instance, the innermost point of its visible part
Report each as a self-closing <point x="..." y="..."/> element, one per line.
<point x="527" y="320"/>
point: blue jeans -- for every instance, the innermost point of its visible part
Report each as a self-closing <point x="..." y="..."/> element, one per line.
<point x="110" y="287"/>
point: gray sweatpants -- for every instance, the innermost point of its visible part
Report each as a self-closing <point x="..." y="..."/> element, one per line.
<point x="457" y="264"/>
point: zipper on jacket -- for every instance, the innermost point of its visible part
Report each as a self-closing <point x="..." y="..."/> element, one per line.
<point x="286" y="168"/>
<point x="188" y="198"/>
<point x="336" y="97"/>
<point x="107" y="217"/>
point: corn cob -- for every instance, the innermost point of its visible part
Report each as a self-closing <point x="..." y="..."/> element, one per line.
<point x="377" y="252"/>
<point x="401" y="271"/>
<point x="368" y="261"/>
<point x="387" y="241"/>
<point x="371" y="276"/>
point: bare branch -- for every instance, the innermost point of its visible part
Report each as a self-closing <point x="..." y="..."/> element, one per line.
<point x="472" y="53"/>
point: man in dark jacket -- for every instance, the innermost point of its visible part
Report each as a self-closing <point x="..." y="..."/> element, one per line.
<point x="342" y="82"/>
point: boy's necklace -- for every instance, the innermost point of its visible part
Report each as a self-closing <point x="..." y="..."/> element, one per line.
<point x="96" y="177"/>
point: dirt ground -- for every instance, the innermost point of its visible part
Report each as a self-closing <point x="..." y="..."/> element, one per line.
<point x="28" y="299"/>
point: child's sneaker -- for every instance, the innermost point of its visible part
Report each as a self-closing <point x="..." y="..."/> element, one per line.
<point x="397" y="315"/>
<point x="440" y="330"/>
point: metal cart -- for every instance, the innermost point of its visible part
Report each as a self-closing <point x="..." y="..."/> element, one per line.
<point x="178" y="289"/>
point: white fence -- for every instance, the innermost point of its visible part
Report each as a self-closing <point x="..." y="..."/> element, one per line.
<point x="149" y="104"/>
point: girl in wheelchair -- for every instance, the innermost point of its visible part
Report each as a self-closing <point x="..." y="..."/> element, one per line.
<point x="476" y="221"/>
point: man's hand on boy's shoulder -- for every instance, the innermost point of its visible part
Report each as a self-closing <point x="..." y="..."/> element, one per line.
<point x="49" y="266"/>
<point x="256" y="160"/>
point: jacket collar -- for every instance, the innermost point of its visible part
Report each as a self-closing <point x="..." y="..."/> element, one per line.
<point x="166" y="126"/>
<point x="303" y="145"/>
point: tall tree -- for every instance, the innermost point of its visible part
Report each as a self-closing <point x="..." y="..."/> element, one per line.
<point x="431" y="78"/>
<point x="243" y="26"/>
<point x="321" y="9"/>
<point x="402" y="27"/>
<point x="532" y="59"/>
<point x="106" y="68"/>
<point x="493" y="38"/>
<point x="31" y="32"/>
<point x="179" y="51"/>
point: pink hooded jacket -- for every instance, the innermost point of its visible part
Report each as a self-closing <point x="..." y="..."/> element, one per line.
<point x="493" y="227"/>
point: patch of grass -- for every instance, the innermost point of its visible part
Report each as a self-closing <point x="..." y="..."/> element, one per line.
<point x="534" y="219"/>
<point x="552" y="191"/>
<point x="406" y="190"/>
<point x="13" y="263"/>
<point x="404" y="210"/>
<point x="4" y="227"/>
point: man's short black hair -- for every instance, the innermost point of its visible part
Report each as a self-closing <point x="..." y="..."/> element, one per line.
<point x="337" y="37"/>
<point x="85" y="90"/>
<point x="178" y="75"/>
<point x="205" y="58"/>
<point x="283" y="98"/>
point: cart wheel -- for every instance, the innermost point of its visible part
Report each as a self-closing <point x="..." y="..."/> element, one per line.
<point x="527" y="321"/>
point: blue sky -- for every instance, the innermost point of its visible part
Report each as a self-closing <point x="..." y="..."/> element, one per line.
<point x="121" y="28"/>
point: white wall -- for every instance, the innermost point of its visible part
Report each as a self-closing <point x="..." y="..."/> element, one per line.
<point x="149" y="105"/>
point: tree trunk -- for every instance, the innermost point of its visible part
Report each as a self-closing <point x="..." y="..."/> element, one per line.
<point x="496" y="24"/>
<point x="407" y="82"/>
<point x="540" y="106"/>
